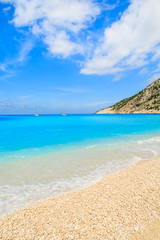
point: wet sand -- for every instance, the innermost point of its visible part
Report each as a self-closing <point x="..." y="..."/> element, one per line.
<point x="124" y="205"/>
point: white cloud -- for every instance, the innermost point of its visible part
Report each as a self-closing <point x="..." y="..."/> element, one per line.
<point x="2" y="104"/>
<point x="129" y="43"/>
<point x="9" y="103"/>
<point x="6" y="76"/>
<point x="23" y="53"/>
<point x="143" y="71"/>
<point x="7" y="65"/>
<point x="60" y="44"/>
<point x="6" y="10"/>
<point x="117" y="77"/>
<point x="57" y="22"/>
<point x="154" y="77"/>
<point x="156" y="74"/>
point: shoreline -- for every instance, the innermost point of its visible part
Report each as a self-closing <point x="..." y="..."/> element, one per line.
<point x="119" y="206"/>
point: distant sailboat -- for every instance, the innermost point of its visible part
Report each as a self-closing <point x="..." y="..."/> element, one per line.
<point x="63" y="114"/>
<point x="36" y="114"/>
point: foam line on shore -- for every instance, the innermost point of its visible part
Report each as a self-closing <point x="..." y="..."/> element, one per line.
<point x="117" y="207"/>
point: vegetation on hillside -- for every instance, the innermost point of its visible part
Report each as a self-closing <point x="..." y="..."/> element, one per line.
<point x="147" y="100"/>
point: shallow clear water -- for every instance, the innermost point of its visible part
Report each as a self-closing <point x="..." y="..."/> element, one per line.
<point x="44" y="156"/>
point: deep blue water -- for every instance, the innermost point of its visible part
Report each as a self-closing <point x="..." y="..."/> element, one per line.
<point x="23" y="132"/>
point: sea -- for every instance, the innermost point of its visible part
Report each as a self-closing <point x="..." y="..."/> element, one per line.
<point x="42" y="157"/>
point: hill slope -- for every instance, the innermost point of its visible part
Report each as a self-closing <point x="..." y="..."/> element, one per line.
<point x="146" y="101"/>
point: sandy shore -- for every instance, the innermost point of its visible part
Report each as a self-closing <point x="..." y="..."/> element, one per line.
<point x="125" y="205"/>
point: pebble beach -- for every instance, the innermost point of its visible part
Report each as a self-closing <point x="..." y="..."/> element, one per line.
<point x="123" y="205"/>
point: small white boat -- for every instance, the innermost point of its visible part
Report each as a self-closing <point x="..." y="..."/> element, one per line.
<point x="63" y="114"/>
<point x="36" y="114"/>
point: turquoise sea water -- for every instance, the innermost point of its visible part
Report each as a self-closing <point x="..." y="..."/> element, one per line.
<point x="44" y="156"/>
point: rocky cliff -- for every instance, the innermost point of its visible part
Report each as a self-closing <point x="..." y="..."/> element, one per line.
<point x="146" y="101"/>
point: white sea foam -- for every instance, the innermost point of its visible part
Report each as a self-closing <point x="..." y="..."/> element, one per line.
<point x="53" y="174"/>
<point x="150" y="140"/>
<point x="91" y="146"/>
<point x="15" y="197"/>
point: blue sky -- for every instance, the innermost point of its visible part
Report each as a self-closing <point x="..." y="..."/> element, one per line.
<point x="79" y="55"/>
